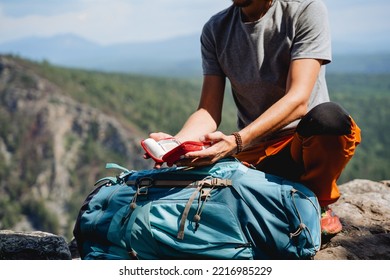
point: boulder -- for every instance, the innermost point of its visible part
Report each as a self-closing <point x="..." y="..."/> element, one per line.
<point x="34" y="245"/>
<point x="364" y="211"/>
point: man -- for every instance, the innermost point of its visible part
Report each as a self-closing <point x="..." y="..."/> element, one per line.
<point x="274" y="54"/>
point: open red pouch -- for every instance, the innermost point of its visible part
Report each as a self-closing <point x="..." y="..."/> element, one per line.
<point x="189" y="146"/>
<point x="170" y="150"/>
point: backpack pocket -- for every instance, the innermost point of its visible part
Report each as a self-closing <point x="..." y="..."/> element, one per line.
<point x="216" y="235"/>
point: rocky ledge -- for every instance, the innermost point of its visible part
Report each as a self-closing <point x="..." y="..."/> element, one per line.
<point x="364" y="210"/>
<point x="35" y="245"/>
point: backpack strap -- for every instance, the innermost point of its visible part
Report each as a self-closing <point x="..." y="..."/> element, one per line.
<point x="179" y="183"/>
<point x="125" y="172"/>
<point x="117" y="166"/>
<point x="180" y="234"/>
<point x="207" y="182"/>
<point x="159" y="183"/>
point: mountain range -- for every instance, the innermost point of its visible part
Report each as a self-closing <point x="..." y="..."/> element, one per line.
<point x="179" y="56"/>
<point x="172" y="57"/>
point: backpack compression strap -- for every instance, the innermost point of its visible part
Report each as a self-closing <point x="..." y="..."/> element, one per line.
<point x="207" y="182"/>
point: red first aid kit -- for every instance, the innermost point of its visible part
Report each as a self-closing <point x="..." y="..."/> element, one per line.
<point x="170" y="150"/>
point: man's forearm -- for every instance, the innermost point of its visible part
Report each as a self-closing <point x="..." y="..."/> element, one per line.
<point x="197" y="125"/>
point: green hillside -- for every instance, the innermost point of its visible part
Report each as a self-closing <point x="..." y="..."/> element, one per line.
<point x="143" y="102"/>
<point x="367" y="98"/>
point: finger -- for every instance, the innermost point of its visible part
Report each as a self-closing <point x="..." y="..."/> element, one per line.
<point x="206" y="153"/>
<point x="159" y="135"/>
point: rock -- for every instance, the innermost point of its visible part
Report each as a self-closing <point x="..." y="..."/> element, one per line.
<point x="35" y="245"/>
<point x="364" y="210"/>
<point x="74" y="251"/>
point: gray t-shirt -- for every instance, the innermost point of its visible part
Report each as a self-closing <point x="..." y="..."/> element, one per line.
<point x="256" y="56"/>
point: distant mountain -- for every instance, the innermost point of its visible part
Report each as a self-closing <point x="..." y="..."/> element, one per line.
<point x="57" y="49"/>
<point x="376" y="44"/>
<point x="370" y="63"/>
<point x="173" y="57"/>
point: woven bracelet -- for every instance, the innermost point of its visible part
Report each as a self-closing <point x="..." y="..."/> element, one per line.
<point x="238" y="142"/>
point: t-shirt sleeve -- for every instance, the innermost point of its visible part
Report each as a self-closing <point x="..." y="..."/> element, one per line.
<point x="312" y="37"/>
<point x="210" y="63"/>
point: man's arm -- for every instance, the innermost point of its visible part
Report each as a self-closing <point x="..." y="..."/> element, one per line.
<point x="208" y="115"/>
<point x="301" y="79"/>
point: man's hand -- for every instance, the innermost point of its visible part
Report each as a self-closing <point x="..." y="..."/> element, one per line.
<point x="157" y="136"/>
<point x="222" y="146"/>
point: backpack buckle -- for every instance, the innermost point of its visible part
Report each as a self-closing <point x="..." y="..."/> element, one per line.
<point x="143" y="185"/>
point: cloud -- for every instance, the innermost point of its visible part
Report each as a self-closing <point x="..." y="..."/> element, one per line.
<point x="360" y="20"/>
<point x="106" y="21"/>
<point x="116" y="21"/>
<point x="22" y="8"/>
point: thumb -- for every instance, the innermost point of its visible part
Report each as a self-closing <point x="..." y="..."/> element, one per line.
<point x="212" y="137"/>
<point x="159" y="135"/>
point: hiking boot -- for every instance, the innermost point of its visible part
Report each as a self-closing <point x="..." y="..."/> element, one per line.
<point x="330" y="223"/>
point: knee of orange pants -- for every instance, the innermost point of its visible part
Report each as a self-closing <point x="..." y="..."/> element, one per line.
<point x="324" y="157"/>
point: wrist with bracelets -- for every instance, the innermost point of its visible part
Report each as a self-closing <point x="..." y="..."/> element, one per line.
<point x="238" y="138"/>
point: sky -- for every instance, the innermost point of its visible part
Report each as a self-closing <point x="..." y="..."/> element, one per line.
<point x="108" y="22"/>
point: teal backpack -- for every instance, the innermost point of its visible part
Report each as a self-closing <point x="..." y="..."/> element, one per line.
<point x="222" y="211"/>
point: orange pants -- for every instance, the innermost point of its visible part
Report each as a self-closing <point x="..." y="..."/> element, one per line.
<point x="315" y="161"/>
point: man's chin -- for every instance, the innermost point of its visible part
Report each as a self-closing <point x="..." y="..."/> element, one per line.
<point x="242" y="3"/>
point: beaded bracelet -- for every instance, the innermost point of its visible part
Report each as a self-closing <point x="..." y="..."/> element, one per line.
<point x="238" y="142"/>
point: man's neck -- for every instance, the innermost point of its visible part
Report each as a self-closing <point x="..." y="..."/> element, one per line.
<point x="256" y="10"/>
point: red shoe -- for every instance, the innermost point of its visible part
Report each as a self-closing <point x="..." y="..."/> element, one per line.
<point x="330" y="223"/>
